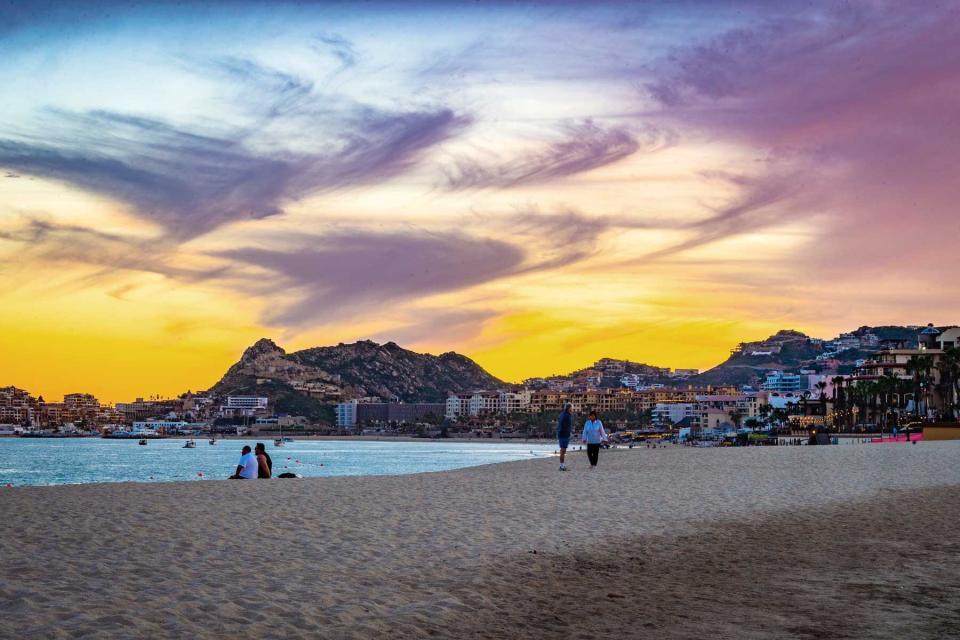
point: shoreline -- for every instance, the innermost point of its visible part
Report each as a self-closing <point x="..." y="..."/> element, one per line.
<point x="758" y="542"/>
<point x="271" y="437"/>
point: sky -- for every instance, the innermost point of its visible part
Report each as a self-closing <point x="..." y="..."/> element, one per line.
<point x="533" y="185"/>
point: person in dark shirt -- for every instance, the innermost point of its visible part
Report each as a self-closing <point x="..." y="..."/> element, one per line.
<point x="564" y="426"/>
<point x="264" y="463"/>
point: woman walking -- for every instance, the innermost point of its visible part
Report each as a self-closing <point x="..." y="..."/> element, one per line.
<point x="593" y="435"/>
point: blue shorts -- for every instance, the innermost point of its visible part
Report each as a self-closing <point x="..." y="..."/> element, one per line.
<point x="563" y="442"/>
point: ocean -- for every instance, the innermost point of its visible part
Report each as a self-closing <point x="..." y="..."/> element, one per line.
<point x="49" y="461"/>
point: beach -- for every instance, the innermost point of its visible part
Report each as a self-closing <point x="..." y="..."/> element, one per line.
<point x="791" y="542"/>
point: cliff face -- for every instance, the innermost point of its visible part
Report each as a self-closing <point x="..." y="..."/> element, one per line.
<point x="353" y="370"/>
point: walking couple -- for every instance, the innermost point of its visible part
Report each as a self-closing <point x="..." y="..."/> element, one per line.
<point x="593" y="436"/>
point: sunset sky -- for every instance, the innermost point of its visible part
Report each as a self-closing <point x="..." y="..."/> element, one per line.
<point x="533" y="185"/>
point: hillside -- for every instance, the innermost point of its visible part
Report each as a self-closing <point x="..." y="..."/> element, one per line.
<point x="302" y="381"/>
<point x="792" y="350"/>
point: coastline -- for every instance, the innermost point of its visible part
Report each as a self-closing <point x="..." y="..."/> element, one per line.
<point x="271" y="436"/>
<point x="788" y="542"/>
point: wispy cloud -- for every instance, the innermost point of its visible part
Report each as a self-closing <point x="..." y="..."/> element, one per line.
<point x="190" y="180"/>
<point x="337" y="46"/>
<point x="852" y="109"/>
<point x="584" y="146"/>
<point x="336" y="275"/>
<point x="77" y="245"/>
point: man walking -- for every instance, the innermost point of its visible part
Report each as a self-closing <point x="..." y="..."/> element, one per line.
<point x="593" y="435"/>
<point x="564" y="426"/>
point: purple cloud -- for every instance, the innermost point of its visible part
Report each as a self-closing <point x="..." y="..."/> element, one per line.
<point x="191" y="181"/>
<point x="854" y="111"/>
<point x="340" y="273"/>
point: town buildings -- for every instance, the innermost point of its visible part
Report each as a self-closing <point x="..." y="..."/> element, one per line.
<point x="352" y="414"/>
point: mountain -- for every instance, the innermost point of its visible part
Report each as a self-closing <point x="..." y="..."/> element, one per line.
<point x="307" y="382"/>
<point x="792" y="350"/>
<point x="304" y="381"/>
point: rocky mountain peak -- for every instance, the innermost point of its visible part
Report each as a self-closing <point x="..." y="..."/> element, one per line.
<point x="261" y="347"/>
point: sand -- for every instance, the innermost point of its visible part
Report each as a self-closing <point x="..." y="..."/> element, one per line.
<point x="789" y="542"/>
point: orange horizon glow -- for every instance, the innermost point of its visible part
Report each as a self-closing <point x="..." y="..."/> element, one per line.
<point x="686" y="177"/>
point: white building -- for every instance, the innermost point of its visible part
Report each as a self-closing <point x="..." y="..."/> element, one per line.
<point x="484" y="403"/>
<point x="513" y="402"/>
<point x="347" y="414"/>
<point x="630" y="380"/>
<point x="244" y="406"/>
<point x="667" y="413"/>
<point x="457" y="405"/>
<point x="152" y="426"/>
<point x="782" y="382"/>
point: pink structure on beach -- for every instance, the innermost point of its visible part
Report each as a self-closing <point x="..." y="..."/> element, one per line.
<point x="913" y="437"/>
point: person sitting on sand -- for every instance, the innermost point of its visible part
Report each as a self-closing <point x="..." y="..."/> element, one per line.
<point x="593" y="435"/>
<point x="247" y="467"/>
<point x="564" y="426"/>
<point x="264" y="463"/>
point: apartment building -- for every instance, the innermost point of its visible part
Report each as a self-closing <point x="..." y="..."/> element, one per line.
<point x="669" y="413"/>
<point x="486" y="402"/>
<point x="782" y="382"/>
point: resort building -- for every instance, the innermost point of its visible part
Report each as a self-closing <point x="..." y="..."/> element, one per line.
<point x="514" y="402"/>
<point x="670" y="413"/>
<point x="486" y="403"/>
<point x="715" y="410"/>
<point x="160" y="426"/>
<point x="346" y="414"/>
<point x="244" y="406"/>
<point x="17" y="407"/>
<point x="782" y="382"/>
<point x="949" y="338"/>
<point x="353" y="413"/>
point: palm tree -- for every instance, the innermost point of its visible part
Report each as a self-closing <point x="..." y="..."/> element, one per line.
<point x="823" y="398"/>
<point x="863" y="397"/>
<point x="764" y="411"/>
<point x="919" y="368"/>
<point x="839" y="400"/>
<point x="949" y="368"/>
<point x="735" y="416"/>
<point x="886" y="387"/>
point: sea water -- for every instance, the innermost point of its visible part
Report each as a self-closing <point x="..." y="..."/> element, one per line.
<point x="46" y="461"/>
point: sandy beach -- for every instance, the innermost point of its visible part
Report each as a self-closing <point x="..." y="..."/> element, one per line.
<point x="784" y="542"/>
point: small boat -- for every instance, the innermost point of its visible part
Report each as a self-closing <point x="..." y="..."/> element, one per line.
<point x="213" y="441"/>
<point x="190" y="444"/>
<point x="278" y="442"/>
<point x="143" y="441"/>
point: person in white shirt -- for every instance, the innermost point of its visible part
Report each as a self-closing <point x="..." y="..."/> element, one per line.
<point x="593" y="435"/>
<point x="247" y="467"/>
